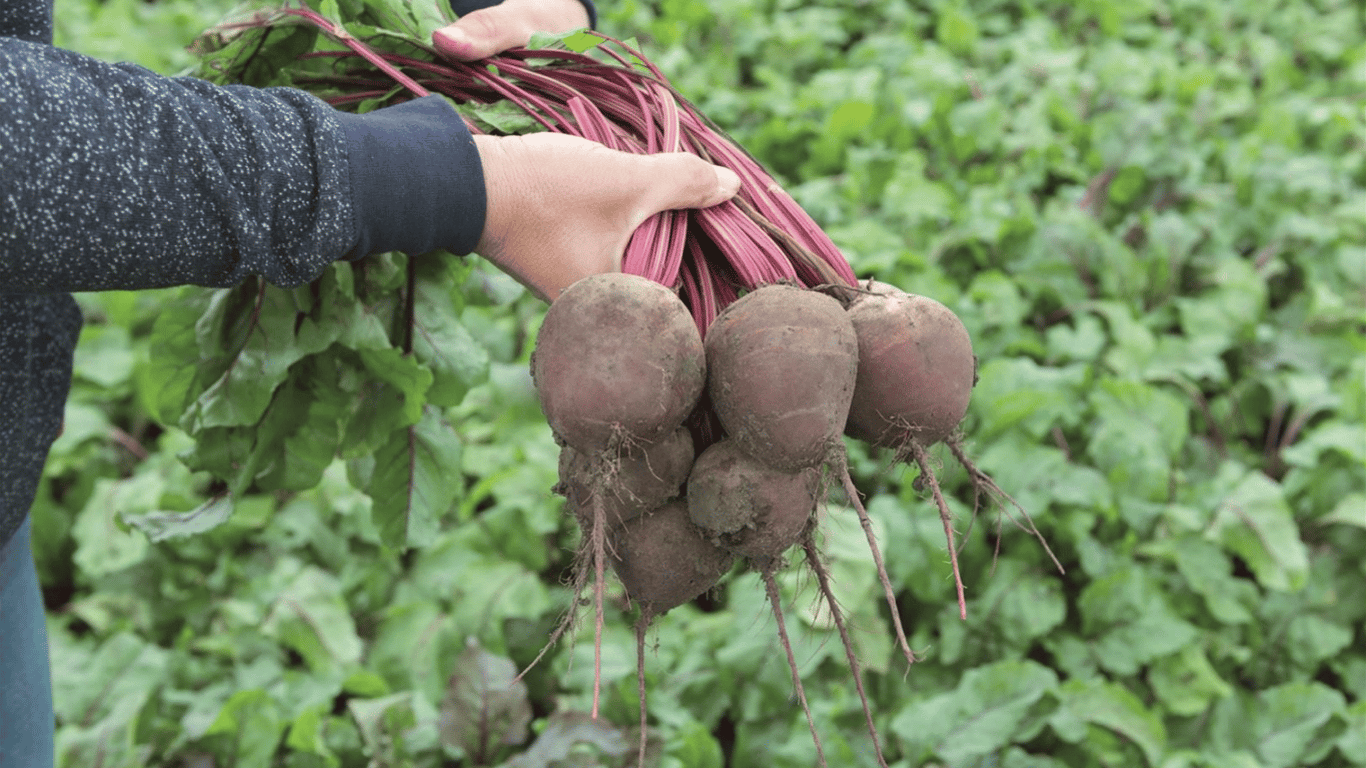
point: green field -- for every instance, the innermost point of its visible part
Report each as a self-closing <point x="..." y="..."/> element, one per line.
<point x="1151" y="216"/>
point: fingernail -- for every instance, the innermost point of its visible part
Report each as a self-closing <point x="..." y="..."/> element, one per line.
<point x="451" y="40"/>
<point x="729" y="182"/>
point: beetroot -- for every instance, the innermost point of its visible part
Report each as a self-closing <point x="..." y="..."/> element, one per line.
<point x="782" y="362"/>
<point x="618" y="360"/>
<point x="755" y="511"/>
<point x="915" y="369"/>
<point x="664" y="561"/>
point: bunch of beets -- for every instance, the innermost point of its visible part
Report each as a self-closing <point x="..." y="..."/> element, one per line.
<point x="702" y="395"/>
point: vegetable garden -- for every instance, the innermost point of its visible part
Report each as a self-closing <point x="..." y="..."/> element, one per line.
<point x="342" y="545"/>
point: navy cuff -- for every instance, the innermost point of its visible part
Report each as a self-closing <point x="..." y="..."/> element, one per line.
<point x="462" y="7"/>
<point x="417" y="183"/>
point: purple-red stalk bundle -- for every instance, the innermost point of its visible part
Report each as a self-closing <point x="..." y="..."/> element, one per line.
<point x="710" y="256"/>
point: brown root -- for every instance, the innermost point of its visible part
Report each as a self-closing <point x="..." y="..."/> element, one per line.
<point x="642" y="624"/>
<point x="922" y="458"/>
<point x="578" y="584"/>
<point x="887" y="590"/>
<point x="599" y="537"/>
<point x="983" y="484"/>
<point x="813" y="559"/>
<point x="771" y="586"/>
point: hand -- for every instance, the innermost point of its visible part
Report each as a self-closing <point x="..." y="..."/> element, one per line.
<point x="561" y="208"/>
<point x="510" y="24"/>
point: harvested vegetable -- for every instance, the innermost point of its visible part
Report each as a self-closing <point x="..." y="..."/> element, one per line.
<point x="782" y="363"/>
<point x="753" y="510"/>
<point x="916" y="369"/>
<point x="635" y="481"/>
<point x="721" y="296"/>
<point x="618" y="362"/>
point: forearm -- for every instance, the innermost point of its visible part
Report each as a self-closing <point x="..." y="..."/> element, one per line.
<point x="116" y="178"/>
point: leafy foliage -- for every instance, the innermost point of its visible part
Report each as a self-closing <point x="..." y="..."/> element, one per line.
<point x="1149" y="214"/>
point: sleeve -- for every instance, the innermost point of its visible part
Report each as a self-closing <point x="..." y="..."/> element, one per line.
<point x="462" y="7"/>
<point x="27" y="20"/>
<point x="114" y="177"/>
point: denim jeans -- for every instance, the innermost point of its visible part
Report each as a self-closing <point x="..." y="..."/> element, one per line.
<point x="26" y="719"/>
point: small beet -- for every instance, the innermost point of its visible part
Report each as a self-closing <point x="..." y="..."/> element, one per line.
<point x="640" y="478"/>
<point x="664" y="560"/>
<point x="915" y="369"/>
<point x="757" y="512"/>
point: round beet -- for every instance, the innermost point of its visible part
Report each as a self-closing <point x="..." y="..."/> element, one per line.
<point x="781" y="368"/>
<point x="915" y="369"/>
<point x="637" y="479"/>
<point x="664" y="560"/>
<point x="618" y="360"/>
<point x="757" y="512"/>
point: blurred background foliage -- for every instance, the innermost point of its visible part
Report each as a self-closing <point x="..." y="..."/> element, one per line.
<point x="1151" y="215"/>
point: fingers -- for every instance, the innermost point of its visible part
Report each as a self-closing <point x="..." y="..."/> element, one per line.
<point x="681" y="180"/>
<point x="495" y="29"/>
<point x="481" y="34"/>
<point x="560" y="208"/>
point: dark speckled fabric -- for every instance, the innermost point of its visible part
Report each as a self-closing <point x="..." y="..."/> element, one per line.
<point x="114" y="177"/>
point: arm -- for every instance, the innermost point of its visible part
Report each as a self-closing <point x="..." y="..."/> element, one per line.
<point x="114" y="177"/>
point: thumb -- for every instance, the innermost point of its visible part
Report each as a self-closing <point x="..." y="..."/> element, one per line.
<point x="682" y="180"/>
<point x="481" y="34"/>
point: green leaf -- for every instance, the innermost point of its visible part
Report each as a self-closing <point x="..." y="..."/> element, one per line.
<point x="241" y="395"/>
<point x="383" y="724"/>
<point x="1313" y="639"/>
<point x="306" y="737"/>
<point x="441" y="342"/>
<point x="1186" y="681"/>
<point x="957" y="29"/>
<point x="166" y="381"/>
<point x="992" y="705"/>
<point x="1130" y="621"/>
<point x="1015" y="392"/>
<point x="311" y="617"/>
<point x="578" y="40"/>
<point x="695" y="747"/>
<point x="409" y="378"/>
<point x="109" y="684"/>
<point x="102" y="700"/>
<point x="1351" y="510"/>
<point x="1289" y="718"/>
<point x="500" y="117"/>
<point x="1254" y="522"/>
<point x="104" y="355"/>
<point x="1138" y="433"/>
<point x="1352" y="743"/>
<point x="570" y="733"/>
<point x="249" y="726"/>
<point x="102" y="546"/>
<point x="1209" y="572"/>
<point x="1024" y="605"/>
<point x="416" y="480"/>
<point x="160" y="526"/>
<point x="1115" y="707"/>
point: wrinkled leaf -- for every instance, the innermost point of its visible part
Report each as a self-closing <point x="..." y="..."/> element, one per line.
<point x="484" y="708"/>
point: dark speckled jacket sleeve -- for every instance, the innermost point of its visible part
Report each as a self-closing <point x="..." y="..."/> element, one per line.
<point x="115" y="177"/>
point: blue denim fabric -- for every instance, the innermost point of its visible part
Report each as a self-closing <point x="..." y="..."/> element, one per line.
<point x="26" y="719"/>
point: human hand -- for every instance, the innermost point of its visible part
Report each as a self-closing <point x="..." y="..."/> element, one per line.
<point x="561" y="208"/>
<point x="510" y="24"/>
